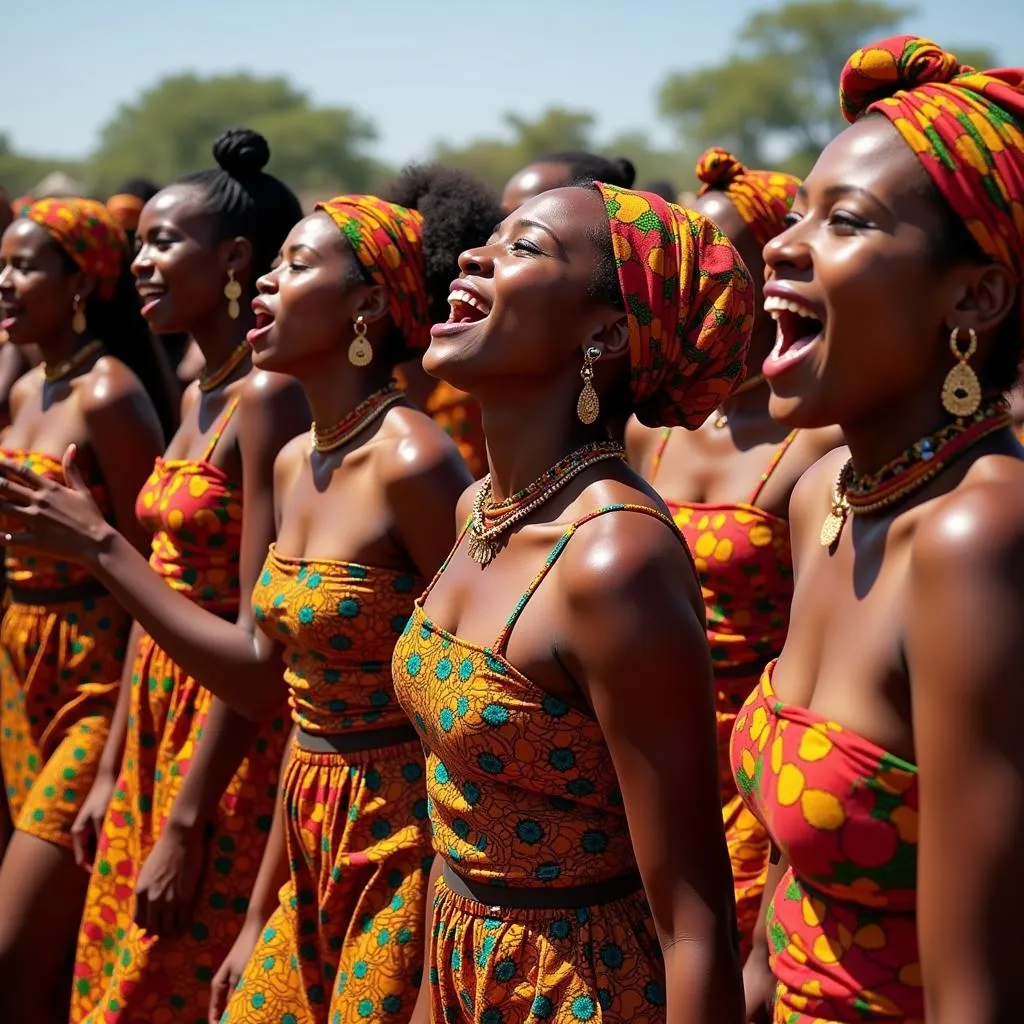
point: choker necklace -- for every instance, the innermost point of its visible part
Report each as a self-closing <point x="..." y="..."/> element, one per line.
<point x="491" y="519"/>
<point x="721" y="419"/>
<point x="66" y="367"/>
<point x="356" y="421"/>
<point x="865" y="494"/>
<point x="208" y="381"/>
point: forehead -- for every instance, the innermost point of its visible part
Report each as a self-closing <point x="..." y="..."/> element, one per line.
<point x="27" y="234"/>
<point x="180" y="206"/>
<point x="717" y="206"/>
<point x="572" y="214"/>
<point x="317" y="231"/>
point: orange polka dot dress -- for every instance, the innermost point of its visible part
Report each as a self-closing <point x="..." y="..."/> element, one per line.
<point x="523" y="794"/>
<point x="743" y="557"/>
<point x="346" y="942"/>
<point x="842" y="928"/>
<point x="122" y="975"/>
<point x="62" y="649"/>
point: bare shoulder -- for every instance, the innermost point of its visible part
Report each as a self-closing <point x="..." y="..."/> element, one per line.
<point x="420" y="447"/>
<point x="812" y="496"/>
<point x="262" y="389"/>
<point x="290" y="461"/>
<point x="108" y="383"/>
<point x="27" y="385"/>
<point x="812" y="445"/>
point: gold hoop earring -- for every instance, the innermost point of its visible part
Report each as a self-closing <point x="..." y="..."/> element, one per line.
<point x="588" y="405"/>
<point x="360" y="352"/>
<point x="961" y="390"/>
<point x="78" y="318"/>
<point x="233" y="292"/>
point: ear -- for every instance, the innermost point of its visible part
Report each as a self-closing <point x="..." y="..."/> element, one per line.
<point x="374" y="303"/>
<point x="985" y="298"/>
<point x="612" y="337"/>
<point x="83" y="285"/>
<point x="238" y="257"/>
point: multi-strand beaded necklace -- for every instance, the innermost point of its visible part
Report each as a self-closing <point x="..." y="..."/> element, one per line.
<point x="355" y="422"/>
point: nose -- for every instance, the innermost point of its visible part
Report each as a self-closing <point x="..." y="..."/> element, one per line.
<point x="788" y="249"/>
<point x="477" y="262"/>
<point x="6" y="272"/>
<point x="141" y="264"/>
<point x="267" y="284"/>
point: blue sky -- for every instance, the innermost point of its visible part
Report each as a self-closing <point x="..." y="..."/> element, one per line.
<point x="422" y="70"/>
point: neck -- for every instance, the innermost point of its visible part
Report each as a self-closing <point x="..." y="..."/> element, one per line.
<point x="335" y="387"/>
<point x="64" y="345"/>
<point x="525" y="437"/>
<point x="219" y="336"/>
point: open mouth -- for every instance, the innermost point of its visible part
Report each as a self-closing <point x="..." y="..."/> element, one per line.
<point x="466" y="308"/>
<point x="264" y="321"/>
<point x="797" y="328"/>
<point x="149" y="297"/>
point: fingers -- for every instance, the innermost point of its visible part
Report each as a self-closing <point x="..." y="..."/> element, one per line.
<point x="12" y="471"/>
<point x="83" y="842"/>
<point x="16" y="493"/>
<point x="71" y="475"/>
<point x="219" y="989"/>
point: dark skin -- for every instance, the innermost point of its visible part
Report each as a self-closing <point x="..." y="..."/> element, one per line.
<point x="182" y="261"/>
<point x="723" y="465"/>
<point x="909" y="632"/>
<point x="533" y="179"/>
<point x="103" y="409"/>
<point x="577" y="636"/>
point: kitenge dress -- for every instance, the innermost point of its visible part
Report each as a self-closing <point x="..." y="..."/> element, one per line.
<point x="121" y="974"/>
<point x="523" y="794"/>
<point x="62" y="649"/>
<point x="346" y="943"/>
<point x="842" y="925"/>
<point x="745" y="563"/>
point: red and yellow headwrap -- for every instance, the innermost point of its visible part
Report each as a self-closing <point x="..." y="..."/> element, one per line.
<point x="88" y="233"/>
<point x="762" y="198"/>
<point x="689" y="302"/>
<point x="965" y="126"/>
<point x="387" y="239"/>
<point x="126" y="209"/>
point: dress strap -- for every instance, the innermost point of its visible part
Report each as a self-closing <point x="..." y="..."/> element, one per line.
<point x="666" y="433"/>
<point x="225" y="419"/>
<point x="776" y="458"/>
<point x="499" y="645"/>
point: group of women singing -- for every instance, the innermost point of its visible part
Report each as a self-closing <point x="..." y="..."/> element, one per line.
<point x="703" y="705"/>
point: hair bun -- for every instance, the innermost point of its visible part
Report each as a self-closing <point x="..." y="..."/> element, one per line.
<point x="718" y="168"/>
<point x="241" y="152"/>
<point x="627" y="169"/>
<point x="878" y="71"/>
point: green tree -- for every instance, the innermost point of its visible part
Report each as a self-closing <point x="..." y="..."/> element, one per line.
<point x="170" y="129"/>
<point x="777" y="93"/>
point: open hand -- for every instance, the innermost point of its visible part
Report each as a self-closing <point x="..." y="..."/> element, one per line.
<point x="85" y="832"/>
<point x="226" y="978"/>
<point x="39" y="514"/>
<point x="168" y="882"/>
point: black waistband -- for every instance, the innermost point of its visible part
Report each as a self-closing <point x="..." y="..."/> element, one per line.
<point x="572" y="897"/>
<point x="351" y="743"/>
<point x="56" y="595"/>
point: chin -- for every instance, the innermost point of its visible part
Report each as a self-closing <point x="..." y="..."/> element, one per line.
<point x="448" y="360"/>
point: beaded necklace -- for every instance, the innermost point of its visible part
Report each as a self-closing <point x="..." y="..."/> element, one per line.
<point x="355" y="422"/>
<point x="490" y="519"/>
<point x="209" y="380"/>
<point x="66" y="367"/>
<point x="865" y="494"/>
<point x="721" y="419"/>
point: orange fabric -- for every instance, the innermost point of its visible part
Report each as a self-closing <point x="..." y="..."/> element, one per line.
<point x="689" y="307"/>
<point x="126" y="209"/>
<point x="762" y="198"/>
<point x="459" y="416"/>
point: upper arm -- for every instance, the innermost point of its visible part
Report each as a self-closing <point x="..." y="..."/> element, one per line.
<point x="271" y="411"/>
<point x="424" y="479"/>
<point x="654" y="701"/>
<point x="126" y="438"/>
<point x="965" y="649"/>
<point x="641" y="444"/>
<point x="13" y="366"/>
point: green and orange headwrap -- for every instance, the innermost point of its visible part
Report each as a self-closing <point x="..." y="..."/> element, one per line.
<point x="689" y="306"/>
<point x="387" y="239"/>
<point x="966" y="127"/>
<point x="88" y="233"/>
<point x="762" y="198"/>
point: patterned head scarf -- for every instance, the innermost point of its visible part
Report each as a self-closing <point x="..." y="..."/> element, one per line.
<point x="126" y="209"/>
<point x="689" y="305"/>
<point x="966" y="127"/>
<point x="387" y="239"/>
<point x="88" y="233"/>
<point x="762" y="198"/>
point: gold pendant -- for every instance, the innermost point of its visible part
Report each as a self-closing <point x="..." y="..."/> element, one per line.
<point x="833" y="525"/>
<point x="481" y="550"/>
<point x="961" y="391"/>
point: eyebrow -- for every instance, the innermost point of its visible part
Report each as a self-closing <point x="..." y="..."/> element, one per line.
<point x="302" y="245"/>
<point x="834" y="192"/>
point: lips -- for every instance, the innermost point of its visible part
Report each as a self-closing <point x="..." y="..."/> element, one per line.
<point x="798" y="327"/>
<point x="149" y="297"/>
<point x="264" y="321"/>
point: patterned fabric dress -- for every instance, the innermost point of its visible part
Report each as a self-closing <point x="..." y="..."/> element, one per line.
<point x="745" y="564"/>
<point x="62" y="649"/>
<point x="123" y="976"/>
<point x="842" y="928"/>
<point x="523" y="793"/>
<point x="346" y="942"/>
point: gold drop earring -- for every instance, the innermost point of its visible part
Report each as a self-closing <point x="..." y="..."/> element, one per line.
<point x="588" y="405"/>
<point x="233" y="292"/>
<point x="78" y="317"/>
<point x="961" y="390"/>
<point x="360" y="352"/>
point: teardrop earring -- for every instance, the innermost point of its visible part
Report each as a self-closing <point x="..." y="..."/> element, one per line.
<point x="78" y="324"/>
<point x="360" y="352"/>
<point x="961" y="390"/>
<point x="588" y="405"/>
<point x="233" y="292"/>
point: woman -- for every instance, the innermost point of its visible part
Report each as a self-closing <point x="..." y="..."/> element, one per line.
<point x="728" y="486"/>
<point x="572" y="792"/>
<point x="62" y="639"/>
<point x="332" y="602"/>
<point x="565" y="167"/>
<point x="202" y="243"/>
<point x="882" y="750"/>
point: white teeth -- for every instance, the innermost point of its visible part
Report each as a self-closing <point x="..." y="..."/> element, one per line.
<point x="775" y="305"/>
<point x="467" y="299"/>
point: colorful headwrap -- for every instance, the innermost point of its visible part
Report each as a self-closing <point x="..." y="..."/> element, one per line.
<point x="21" y="205"/>
<point x="88" y="233"/>
<point x="965" y="126"/>
<point x="387" y="239"/>
<point x="126" y="209"/>
<point x="762" y="198"/>
<point x="689" y="305"/>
